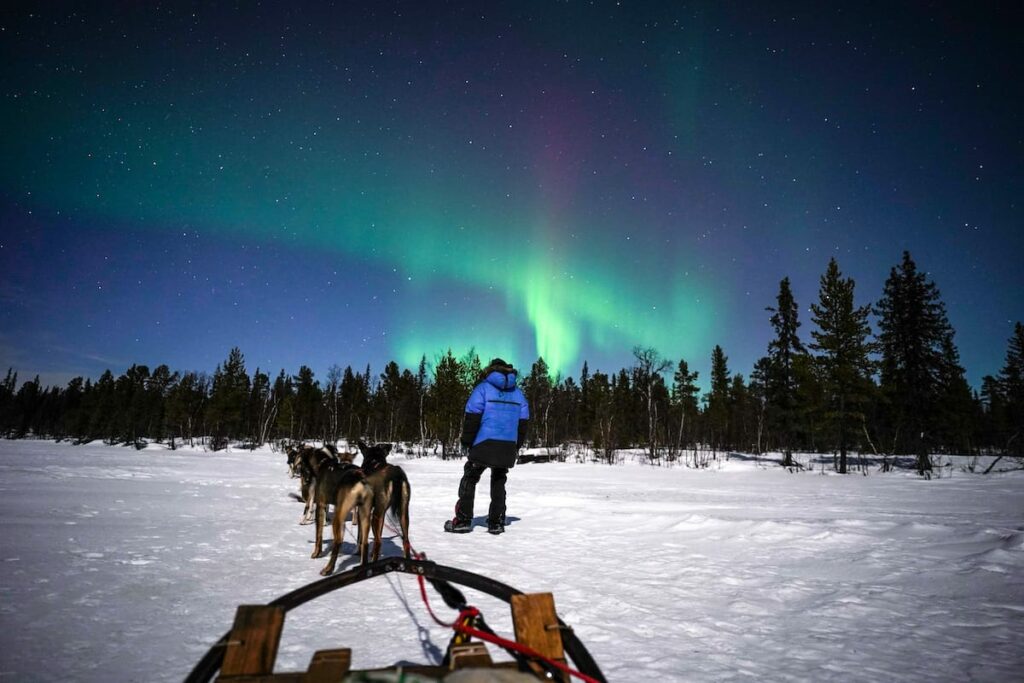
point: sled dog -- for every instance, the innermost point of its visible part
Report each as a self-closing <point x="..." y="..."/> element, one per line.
<point x="292" y="452"/>
<point x="344" y="486"/>
<point x="305" y="459"/>
<point x="390" y="491"/>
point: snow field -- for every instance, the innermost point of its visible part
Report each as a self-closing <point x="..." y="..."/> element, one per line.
<point x="124" y="565"/>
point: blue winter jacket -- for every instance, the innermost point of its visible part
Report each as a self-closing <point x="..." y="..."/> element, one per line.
<point x="496" y="418"/>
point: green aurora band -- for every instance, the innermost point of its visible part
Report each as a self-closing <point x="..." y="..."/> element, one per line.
<point x="436" y="213"/>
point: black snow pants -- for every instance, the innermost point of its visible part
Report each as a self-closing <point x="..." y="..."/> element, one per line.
<point x="467" y="491"/>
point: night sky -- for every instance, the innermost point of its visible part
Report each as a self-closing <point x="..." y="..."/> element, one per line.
<point x="356" y="183"/>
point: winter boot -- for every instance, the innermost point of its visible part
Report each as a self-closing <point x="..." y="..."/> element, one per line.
<point x="496" y="528"/>
<point x="458" y="526"/>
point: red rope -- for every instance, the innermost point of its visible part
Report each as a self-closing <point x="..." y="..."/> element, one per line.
<point x="519" y="647"/>
<point x="423" y="592"/>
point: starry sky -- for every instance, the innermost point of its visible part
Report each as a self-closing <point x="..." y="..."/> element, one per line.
<point x="351" y="183"/>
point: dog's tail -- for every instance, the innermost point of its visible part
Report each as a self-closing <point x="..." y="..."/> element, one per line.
<point x="399" y="494"/>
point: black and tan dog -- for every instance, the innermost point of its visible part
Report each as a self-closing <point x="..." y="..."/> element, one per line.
<point x="306" y="462"/>
<point x="298" y="469"/>
<point x="390" y="492"/>
<point x="344" y="486"/>
<point x="302" y="461"/>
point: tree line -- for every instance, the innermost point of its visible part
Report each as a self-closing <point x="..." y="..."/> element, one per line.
<point x="841" y="389"/>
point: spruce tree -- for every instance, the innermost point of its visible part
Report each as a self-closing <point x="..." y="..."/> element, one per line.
<point x="956" y="412"/>
<point x="27" y="404"/>
<point x="355" y="398"/>
<point x="718" y="398"/>
<point x="184" y="405"/>
<point x="624" y="404"/>
<point x="364" y="403"/>
<point x="408" y="407"/>
<point x="130" y="389"/>
<point x="74" y="401"/>
<point x="308" y="402"/>
<point x="284" y="399"/>
<point x="8" y="389"/>
<point x="471" y="369"/>
<point x="447" y="403"/>
<point x="261" y="410"/>
<point x="332" y="404"/>
<point x="389" y="397"/>
<point x="566" y="411"/>
<point x="781" y="388"/>
<point x="843" y="346"/>
<point x="102" y="423"/>
<point x="739" y="413"/>
<point x="994" y="419"/>
<point x="228" y="399"/>
<point x="158" y="389"/>
<point x="586" y="407"/>
<point x="913" y="329"/>
<point x="1011" y="386"/>
<point x="539" y="391"/>
<point x="684" y="399"/>
<point x="602" y="417"/>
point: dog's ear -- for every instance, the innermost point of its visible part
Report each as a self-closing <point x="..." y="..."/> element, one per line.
<point x="362" y="446"/>
<point x="386" y="448"/>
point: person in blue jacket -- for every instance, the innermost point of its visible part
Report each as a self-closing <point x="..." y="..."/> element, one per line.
<point x="493" y="429"/>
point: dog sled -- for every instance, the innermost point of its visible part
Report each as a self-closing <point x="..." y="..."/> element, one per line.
<point x="543" y="647"/>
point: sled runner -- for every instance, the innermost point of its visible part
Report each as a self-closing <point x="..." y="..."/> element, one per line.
<point x="246" y="654"/>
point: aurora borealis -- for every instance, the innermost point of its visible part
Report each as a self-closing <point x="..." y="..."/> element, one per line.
<point x="354" y="183"/>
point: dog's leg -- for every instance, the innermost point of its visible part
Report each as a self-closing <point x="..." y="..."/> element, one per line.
<point x="321" y="512"/>
<point x="364" y="529"/>
<point x="304" y="489"/>
<point x="378" y="530"/>
<point x="359" y="520"/>
<point x="342" y="508"/>
<point x="307" y="514"/>
<point x="338" y="528"/>
<point x="309" y="494"/>
<point x="404" y="519"/>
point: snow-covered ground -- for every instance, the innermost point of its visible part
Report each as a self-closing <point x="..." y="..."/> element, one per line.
<point x="119" y="565"/>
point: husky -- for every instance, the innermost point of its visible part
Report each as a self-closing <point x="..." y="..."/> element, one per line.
<point x="292" y="452"/>
<point x="305" y="464"/>
<point x="299" y="468"/>
<point x="344" y="486"/>
<point x="390" y="491"/>
<point x="302" y="459"/>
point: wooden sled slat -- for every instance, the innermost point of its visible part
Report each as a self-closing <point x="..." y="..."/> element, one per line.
<point x="470" y="655"/>
<point x="252" y="647"/>
<point x="329" y="666"/>
<point x="536" y="625"/>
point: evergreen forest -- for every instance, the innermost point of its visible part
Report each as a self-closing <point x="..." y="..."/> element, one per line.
<point x="843" y="388"/>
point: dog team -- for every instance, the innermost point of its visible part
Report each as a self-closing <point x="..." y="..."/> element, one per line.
<point x="328" y="477"/>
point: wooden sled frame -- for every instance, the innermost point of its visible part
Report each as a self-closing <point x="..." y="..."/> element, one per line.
<point x="247" y="653"/>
